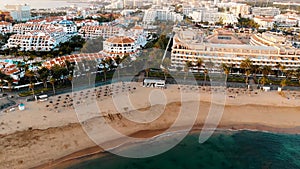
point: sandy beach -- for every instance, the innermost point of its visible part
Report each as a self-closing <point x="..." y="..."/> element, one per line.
<point x="49" y="134"/>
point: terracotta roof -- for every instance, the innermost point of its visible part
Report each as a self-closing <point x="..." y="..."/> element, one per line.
<point x="266" y="17"/>
<point x="137" y="27"/>
<point x="5" y="23"/>
<point x="120" y="39"/>
<point x="72" y="58"/>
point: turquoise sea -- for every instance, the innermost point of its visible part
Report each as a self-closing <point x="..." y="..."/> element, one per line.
<point x="224" y="150"/>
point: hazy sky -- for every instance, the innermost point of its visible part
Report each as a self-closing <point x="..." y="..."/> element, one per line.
<point x="37" y="3"/>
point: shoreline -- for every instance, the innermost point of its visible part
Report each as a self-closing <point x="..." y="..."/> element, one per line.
<point x="46" y="137"/>
<point x="95" y="152"/>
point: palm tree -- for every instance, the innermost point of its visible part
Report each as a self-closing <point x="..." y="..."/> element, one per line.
<point x="147" y="70"/>
<point x="187" y="67"/>
<point x="166" y="72"/>
<point x="118" y="61"/>
<point x="278" y="69"/>
<point x="10" y="81"/>
<point x="298" y="74"/>
<point x="255" y="69"/>
<point x="110" y="63"/>
<point x="103" y="63"/>
<point x="266" y="70"/>
<point x="247" y="73"/>
<point x="205" y="76"/>
<point x="283" y="83"/>
<point x="70" y="66"/>
<point x="226" y="70"/>
<point x="246" y="65"/>
<point x="52" y="81"/>
<point x="264" y="80"/>
<point x="126" y="60"/>
<point x="2" y="84"/>
<point x="70" y="78"/>
<point x="43" y="75"/>
<point x="290" y="74"/>
<point x="199" y="64"/>
<point x="282" y="69"/>
<point x="29" y="74"/>
<point x="56" y="71"/>
<point x="2" y="77"/>
<point x="31" y="86"/>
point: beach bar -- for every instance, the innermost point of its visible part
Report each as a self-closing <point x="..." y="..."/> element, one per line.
<point x="21" y="106"/>
<point x="41" y="98"/>
<point x="154" y="83"/>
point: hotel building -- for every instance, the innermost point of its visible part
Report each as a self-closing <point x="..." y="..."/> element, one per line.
<point x="11" y="70"/>
<point x="157" y="13"/>
<point x="287" y="20"/>
<point x="37" y="40"/>
<point x="139" y="35"/>
<point x="5" y="27"/>
<point x="93" y="32"/>
<point x="236" y="8"/>
<point x="68" y="26"/>
<point x="23" y="28"/>
<point x="19" y="12"/>
<point x="87" y="22"/>
<point x="75" y="58"/>
<point x="211" y="15"/>
<point x="120" y="46"/>
<point x="189" y="45"/>
<point x="265" y="11"/>
<point x="264" y="22"/>
<point x="278" y="41"/>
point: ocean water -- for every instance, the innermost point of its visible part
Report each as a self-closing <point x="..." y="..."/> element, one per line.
<point x="224" y="150"/>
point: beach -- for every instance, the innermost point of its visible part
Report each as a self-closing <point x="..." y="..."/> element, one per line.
<point x="49" y="135"/>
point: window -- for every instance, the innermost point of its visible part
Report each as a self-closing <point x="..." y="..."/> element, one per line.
<point x="224" y="37"/>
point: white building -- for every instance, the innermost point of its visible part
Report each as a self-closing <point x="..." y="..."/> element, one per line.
<point x="93" y="32"/>
<point x="191" y="47"/>
<point x="216" y="2"/>
<point x="161" y="14"/>
<point x="264" y="22"/>
<point x="157" y="2"/>
<point x="212" y="16"/>
<point x="265" y="11"/>
<point x="287" y="20"/>
<point x="87" y="22"/>
<point x="23" y="28"/>
<point x="267" y="39"/>
<point x="120" y="46"/>
<point x="187" y="10"/>
<point x="119" y="4"/>
<point x="74" y="58"/>
<point x="19" y="12"/>
<point x="138" y="3"/>
<point x="139" y="35"/>
<point x="5" y="27"/>
<point x="236" y="8"/>
<point x="68" y="26"/>
<point x="11" y="70"/>
<point x="38" y="40"/>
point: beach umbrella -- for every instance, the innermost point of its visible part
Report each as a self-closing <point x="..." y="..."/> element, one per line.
<point x="21" y="106"/>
